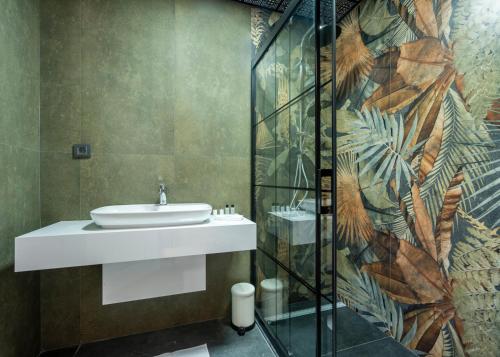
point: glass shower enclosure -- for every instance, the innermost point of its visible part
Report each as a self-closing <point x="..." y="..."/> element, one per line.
<point x="292" y="165"/>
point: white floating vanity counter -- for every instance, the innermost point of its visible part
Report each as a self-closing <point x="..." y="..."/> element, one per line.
<point x="137" y="263"/>
<point x="79" y="243"/>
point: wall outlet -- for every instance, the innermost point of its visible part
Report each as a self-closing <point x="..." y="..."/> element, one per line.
<point x="81" y="151"/>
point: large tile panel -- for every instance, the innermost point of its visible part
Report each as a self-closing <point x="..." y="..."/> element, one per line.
<point x="122" y="179"/>
<point x="60" y="187"/>
<point x="127" y="69"/>
<point x="60" y="308"/>
<point x="60" y="42"/>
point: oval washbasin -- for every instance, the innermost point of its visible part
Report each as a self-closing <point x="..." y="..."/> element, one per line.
<point x="150" y="215"/>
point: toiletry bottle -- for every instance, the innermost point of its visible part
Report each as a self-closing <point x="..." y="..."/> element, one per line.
<point x="233" y="210"/>
<point x="221" y="212"/>
<point x="226" y="210"/>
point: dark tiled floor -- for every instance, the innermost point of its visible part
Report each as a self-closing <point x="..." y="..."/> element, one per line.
<point x="222" y="341"/>
<point x="354" y="330"/>
<point x="385" y="347"/>
<point x="356" y="337"/>
<point x="354" y="333"/>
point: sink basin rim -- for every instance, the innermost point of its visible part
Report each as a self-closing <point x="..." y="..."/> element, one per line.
<point x="150" y="215"/>
<point x="177" y="208"/>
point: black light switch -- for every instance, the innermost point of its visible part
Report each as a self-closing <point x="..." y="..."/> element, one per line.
<point x="81" y="151"/>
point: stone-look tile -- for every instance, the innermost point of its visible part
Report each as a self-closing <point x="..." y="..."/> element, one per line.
<point x="19" y="122"/>
<point x="20" y="311"/>
<point x="122" y="179"/>
<point x="19" y="73"/>
<point x="220" y="338"/>
<point x="60" y="308"/>
<point x="353" y="330"/>
<point x="127" y="76"/>
<point x="60" y="114"/>
<point x="385" y="347"/>
<point x="59" y="188"/>
<point x="99" y="321"/>
<point x="60" y="29"/>
<point x="19" y="173"/>
<point x="19" y="209"/>
<point x="214" y="180"/>
<point x="19" y="40"/>
<point x="235" y="183"/>
<point x="219" y="123"/>
<point x="19" y="206"/>
<point x="24" y="187"/>
<point x="197" y="178"/>
<point x="130" y="74"/>
<point x="106" y="321"/>
<point x="131" y="125"/>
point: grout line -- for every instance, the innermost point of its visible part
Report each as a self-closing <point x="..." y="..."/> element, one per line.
<point x="81" y="114"/>
<point x="364" y="343"/>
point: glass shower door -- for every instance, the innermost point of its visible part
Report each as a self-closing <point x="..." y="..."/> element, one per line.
<point x="292" y="187"/>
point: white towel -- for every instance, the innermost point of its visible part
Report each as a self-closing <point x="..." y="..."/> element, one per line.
<point x="199" y="351"/>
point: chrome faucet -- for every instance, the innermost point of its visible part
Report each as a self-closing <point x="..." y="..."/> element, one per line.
<point x="163" y="194"/>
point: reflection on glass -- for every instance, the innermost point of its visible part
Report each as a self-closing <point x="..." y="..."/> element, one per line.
<point x="302" y="142"/>
<point x="285" y="210"/>
<point x="326" y="328"/>
<point x="283" y="67"/>
<point x="265" y="92"/>
<point x="294" y="220"/>
<point x="283" y="147"/>
<point x="326" y="129"/>
<point x="302" y="53"/>
<point x="301" y="304"/>
<point x="267" y="295"/>
<point x="287" y="307"/>
<point x="326" y="257"/>
<point x="265" y="163"/>
<point x="265" y="199"/>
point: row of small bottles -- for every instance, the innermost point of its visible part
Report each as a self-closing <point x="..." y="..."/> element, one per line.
<point x="281" y="208"/>
<point x="225" y="210"/>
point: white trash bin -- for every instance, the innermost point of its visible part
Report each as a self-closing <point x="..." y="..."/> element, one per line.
<point x="242" y="314"/>
<point x="272" y="298"/>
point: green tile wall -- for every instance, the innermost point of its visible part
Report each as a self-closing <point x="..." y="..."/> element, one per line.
<point x="158" y="88"/>
<point x="19" y="172"/>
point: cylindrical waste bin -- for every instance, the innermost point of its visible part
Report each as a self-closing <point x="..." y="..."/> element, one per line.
<point x="272" y="298"/>
<point x="242" y="317"/>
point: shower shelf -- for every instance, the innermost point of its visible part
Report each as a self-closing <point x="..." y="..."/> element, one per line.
<point x="138" y="263"/>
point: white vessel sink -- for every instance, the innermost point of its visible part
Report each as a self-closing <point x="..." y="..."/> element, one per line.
<point x="150" y="215"/>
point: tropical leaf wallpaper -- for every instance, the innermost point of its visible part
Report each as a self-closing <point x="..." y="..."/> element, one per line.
<point x="418" y="99"/>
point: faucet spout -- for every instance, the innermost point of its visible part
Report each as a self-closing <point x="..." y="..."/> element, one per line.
<point x="163" y="194"/>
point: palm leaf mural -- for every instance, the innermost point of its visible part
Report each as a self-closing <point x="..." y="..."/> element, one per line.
<point x="353" y="59"/>
<point x="354" y="225"/>
<point x="477" y="48"/>
<point x="258" y="25"/>
<point x="359" y="291"/>
<point x="462" y="145"/>
<point x="444" y="224"/>
<point x="418" y="152"/>
<point x="483" y="207"/>
<point x="376" y="19"/>
<point x="476" y="272"/>
<point x="379" y="143"/>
